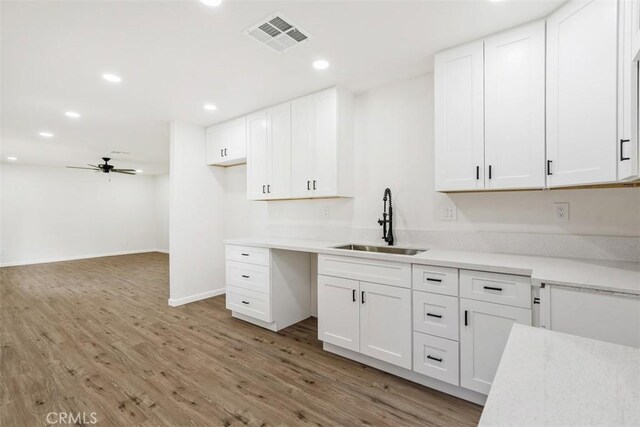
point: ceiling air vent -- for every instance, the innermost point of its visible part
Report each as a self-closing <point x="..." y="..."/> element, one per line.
<point x="277" y="32"/>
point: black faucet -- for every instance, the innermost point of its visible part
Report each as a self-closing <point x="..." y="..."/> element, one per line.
<point x="387" y="218"/>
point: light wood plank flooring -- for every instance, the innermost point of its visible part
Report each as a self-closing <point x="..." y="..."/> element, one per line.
<point x="98" y="336"/>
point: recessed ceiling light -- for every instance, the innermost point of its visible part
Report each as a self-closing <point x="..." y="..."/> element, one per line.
<point x="13" y="159"/>
<point x="212" y="3"/>
<point x="112" y="78"/>
<point x="209" y="107"/>
<point x="320" y="64"/>
<point x="139" y="171"/>
<point x="46" y="134"/>
<point x="72" y="114"/>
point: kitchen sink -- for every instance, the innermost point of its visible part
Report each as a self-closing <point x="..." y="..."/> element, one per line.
<point x="380" y="249"/>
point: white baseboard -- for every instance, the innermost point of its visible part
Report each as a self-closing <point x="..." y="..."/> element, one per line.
<point x="162" y="251"/>
<point x="174" y="302"/>
<point x="75" y="257"/>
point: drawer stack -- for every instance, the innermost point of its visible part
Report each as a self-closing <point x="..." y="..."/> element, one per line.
<point x="249" y="281"/>
<point x="435" y="323"/>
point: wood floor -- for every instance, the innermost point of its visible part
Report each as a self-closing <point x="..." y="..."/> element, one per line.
<point x="98" y="336"/>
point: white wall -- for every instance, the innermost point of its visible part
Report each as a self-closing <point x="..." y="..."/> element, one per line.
<point x="53" y="214"/>
<point x="394" y="148"/>
<point x="196" y="220"/>
<point x="162" y="212"/>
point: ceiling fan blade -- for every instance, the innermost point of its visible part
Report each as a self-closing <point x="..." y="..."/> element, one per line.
<point x="78" y="167"/>
<point x="119" y="171"/>
<point x="93" y="166"/>
<point x="123" y="170"/>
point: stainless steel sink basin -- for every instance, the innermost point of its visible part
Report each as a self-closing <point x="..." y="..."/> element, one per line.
<point x="381" y="249"/>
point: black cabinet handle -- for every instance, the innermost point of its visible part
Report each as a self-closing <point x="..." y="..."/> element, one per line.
<point x="549" y="167"/>
<point x="268" y="188"/>
<point x="308" y="185"/>
<point x="437" y="359"/>
<point x="622" y="158"/>
<point x="314" y="184"/>
<point x="221" y="153"/>
<point x="245" y="302"/>
<point x="466" y="318"/>
<point x="244" y="254"/>
<point x="264" y="189"/>
<point x="434" y="315"/>
<point x="536" y="300"/>
<point x="477" y="172"/>
<point x="354" y="295"/>
<point x="489" y="171"/>
<point x="492" y="288"/>
<point x="245" y="276"/>
<point x="429" y="279"/>
<point x="362" y="297"/>
<point x="225" y="152"/>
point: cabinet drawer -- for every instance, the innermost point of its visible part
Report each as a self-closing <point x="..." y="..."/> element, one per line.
<point x="248" y="276"/>
<point x="494" y="287"/>
<point x="435" y="314"/>
<point x="440" y="280"/>
<point x="251" y="303"/>
<point x="247" y="254"/>
<point x="436" y="358"/>
<point x="366" y="270"/>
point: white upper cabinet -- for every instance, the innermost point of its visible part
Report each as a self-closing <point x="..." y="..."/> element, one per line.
<point x="459" y="121"/>
<point x="257" y="156"/>
<point x="322" y="145"/>
<point x="635" y="29"/>
<point x="582" y="53"/>
<point x="269" y="153"/>
<point x="226" y="143"/>
<point x="514" y="63"/>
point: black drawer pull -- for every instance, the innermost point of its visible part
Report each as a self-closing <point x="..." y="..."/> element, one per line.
<point x="549" y="167"/>
<point x="245" y="276"/>
<point x="244" y="254"/>
<point x="622" y="158"/>
<point x="491" y="288"/>
<point x="314" y="184"/>
<point x="362" y="297"/>
<point x="477" y="172"/>
<point x="429" y="279"/>
<point x="354" y="295"/>
<point x="308" y="185"/>
<point x="466" y="318"/>
<point x="245" y="302"/>
<point x="437" y="359"/>
<point x="439" y="316"/>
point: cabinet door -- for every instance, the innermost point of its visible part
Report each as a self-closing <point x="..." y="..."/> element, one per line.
<point x="214" y="141"/>
<point x="601" y="316"/>
<point x="582" y="93"/>
<point x="635" y="30"/>
<point x="279" y="152"/>
<point x="484" y="331"/>
<point x="236" y="133"/>
<point x="459" y="118"/>
<point x="628" y="94"/>
<point x="302" y="131"/>
<point x="385" y="323"/>
<point x="324" y="154"/>
<point x="257" y="158"/>
<point x="338" y="312"/>
<point x="514" y="108"/>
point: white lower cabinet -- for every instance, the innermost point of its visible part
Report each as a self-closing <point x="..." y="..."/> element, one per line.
<point x="338" y="312"/>
<point x="368" y="318"/>
<point x="484" y="331"/>
<point x="436" y="357"/>
<point x="385" y="323"/>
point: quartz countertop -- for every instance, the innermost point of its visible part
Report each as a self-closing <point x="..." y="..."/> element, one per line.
<point x="622" y="277"/>
<point x="548" y="378"/>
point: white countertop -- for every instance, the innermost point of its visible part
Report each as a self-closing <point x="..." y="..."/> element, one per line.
<point x="548" y="378"/>
<point x="612" y="276"/>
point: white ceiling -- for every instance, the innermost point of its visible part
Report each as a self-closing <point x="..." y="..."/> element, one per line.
<point x="175" y="56"/>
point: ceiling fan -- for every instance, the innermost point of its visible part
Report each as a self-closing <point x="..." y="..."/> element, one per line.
<point x="106" y="168"/>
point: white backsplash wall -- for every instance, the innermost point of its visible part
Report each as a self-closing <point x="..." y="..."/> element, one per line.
<point x="395" y="149"/>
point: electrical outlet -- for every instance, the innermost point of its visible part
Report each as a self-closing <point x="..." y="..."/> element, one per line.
<point x="561" y="211"/>
<point x="325" y="212"/>
<point x="449" y="213"/>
